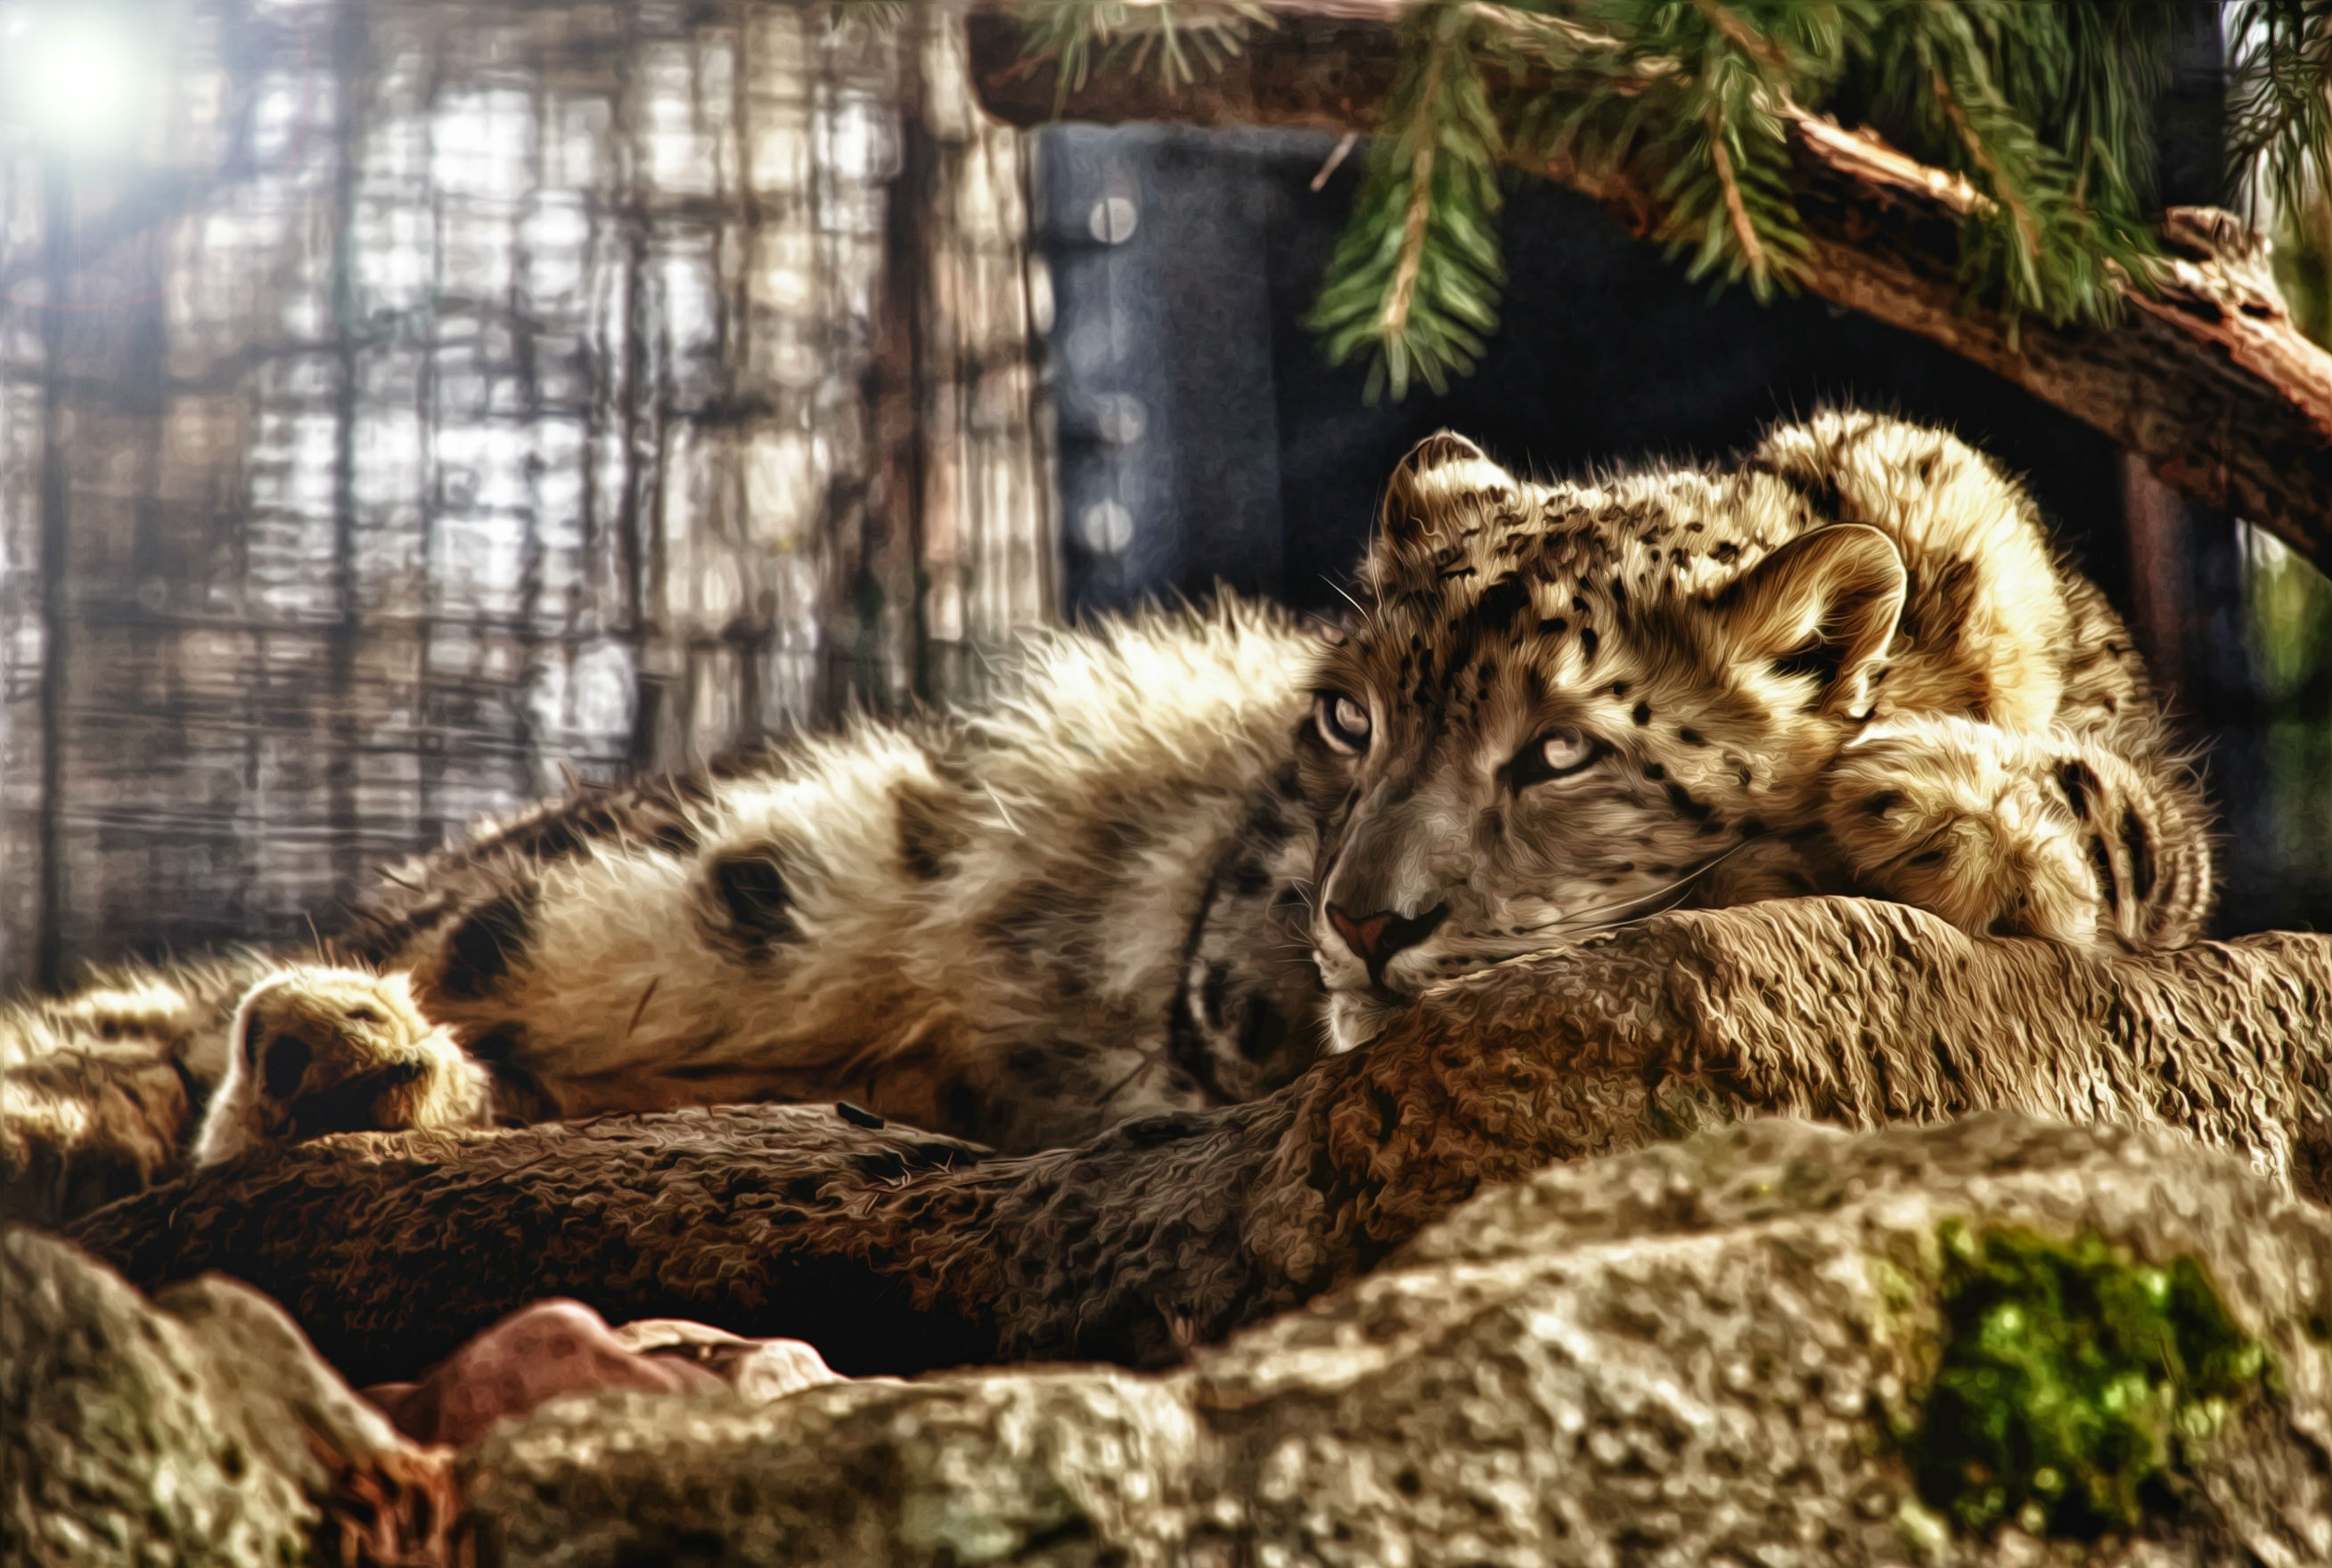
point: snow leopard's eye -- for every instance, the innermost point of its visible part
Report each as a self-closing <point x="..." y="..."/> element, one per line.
<point x="1557" y="754"/>
<point x="1343" y="722"/>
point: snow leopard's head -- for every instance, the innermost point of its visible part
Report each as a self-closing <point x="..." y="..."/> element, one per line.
<point x="1564" y="705"/>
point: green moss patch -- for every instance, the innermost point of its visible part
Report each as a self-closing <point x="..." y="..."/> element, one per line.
<point x="2074" y="1385"/>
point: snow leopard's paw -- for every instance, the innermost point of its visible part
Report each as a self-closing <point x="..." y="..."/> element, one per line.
<point x="318" y="1050"/>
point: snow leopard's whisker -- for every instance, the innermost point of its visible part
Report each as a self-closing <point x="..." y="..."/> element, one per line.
<point x="1149" y="1059"/>
<point x="1366" y="614"/>
<point x="1010" y="826"/>
<point x="1622" y="921"/>
<point x="1573" y="916"/>
<point x="1708" y="866"/>
<point x="640" y="1010"/>
<point x="1573" y="933"/>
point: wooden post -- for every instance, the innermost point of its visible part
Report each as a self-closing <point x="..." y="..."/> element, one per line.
<point x="56" y="572"/>
<point x="2161" y="574"/>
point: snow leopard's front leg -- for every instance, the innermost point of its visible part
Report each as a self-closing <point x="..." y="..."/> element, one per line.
<point x="2011" y="833"/>
<point x="315" y="1050"/>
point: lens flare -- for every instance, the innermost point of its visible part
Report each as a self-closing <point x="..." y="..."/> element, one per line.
<point x="72" y="80"/>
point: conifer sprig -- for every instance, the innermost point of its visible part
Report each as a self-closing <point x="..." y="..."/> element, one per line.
<point x="1079" y="35"/>
<point x="1986" y="88"/>
<point x="1711" y="145"/>
<point x="1414" y="280"/>
<point x="2278" y="109"/>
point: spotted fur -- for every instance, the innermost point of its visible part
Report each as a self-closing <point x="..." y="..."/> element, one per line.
<point x="1197" y="850"/>
<point x="1850" y="664"/>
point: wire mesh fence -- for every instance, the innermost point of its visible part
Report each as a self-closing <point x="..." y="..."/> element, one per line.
<point x="426" y="400"/>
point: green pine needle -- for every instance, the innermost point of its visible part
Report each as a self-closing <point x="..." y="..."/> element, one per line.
<point x="1414" y="281"/>
<point x="2279" y="103"/>
<point x="1081" y="36"/>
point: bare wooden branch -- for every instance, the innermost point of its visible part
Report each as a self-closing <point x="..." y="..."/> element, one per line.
<point x="892" y="1250"/>
<point x="2206" y="378"/>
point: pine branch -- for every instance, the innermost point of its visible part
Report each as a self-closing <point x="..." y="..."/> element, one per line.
<point x="1413" y="282"/>
<point x="1976" y="86"/>
<point x="1394" y="321"/>
<point x="1736" y="33"/>
<point x="2279" y="102"/>
<point x="2100" y="110"/>
<point x="1725" y="164"/>
<point x="1751" y="251"/>
<point x="2043" y="104"/>
<point x="2003" y="184"/>
<point x="2204" y="376"/>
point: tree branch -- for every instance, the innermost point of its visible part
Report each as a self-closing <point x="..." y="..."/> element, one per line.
<point x="894" y="1251"/>
<point x="2206" y="379"/>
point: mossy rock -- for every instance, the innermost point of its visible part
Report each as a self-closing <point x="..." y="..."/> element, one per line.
<point x="2075" y="1386"/>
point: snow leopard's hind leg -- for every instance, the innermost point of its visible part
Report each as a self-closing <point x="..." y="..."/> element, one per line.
<point x="101" y="1090"/>
<point x="2008" y="833"/>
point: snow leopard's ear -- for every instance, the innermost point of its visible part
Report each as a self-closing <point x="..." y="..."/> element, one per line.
<point x="1445" y="495"/>
<point x="1822" y="607"/>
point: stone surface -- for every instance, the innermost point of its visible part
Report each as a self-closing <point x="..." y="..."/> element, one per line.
<point x="1702" y="1352"/>
<point x="197" y="1427"/>
<point x="1718" y="1351"/>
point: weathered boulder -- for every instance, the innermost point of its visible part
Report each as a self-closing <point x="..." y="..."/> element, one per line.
<point x="197" y="1428"/>
<point x="2002" y="1340"/>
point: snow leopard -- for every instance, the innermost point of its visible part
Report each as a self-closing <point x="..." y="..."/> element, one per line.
<point x="1196" y="850"/>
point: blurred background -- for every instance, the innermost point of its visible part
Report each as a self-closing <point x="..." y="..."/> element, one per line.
<point x="408" y="407"/>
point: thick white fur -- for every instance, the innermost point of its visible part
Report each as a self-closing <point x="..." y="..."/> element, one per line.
<point x="1167" y="721"/>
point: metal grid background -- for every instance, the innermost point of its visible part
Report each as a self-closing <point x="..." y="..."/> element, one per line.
<point x="444" y="396"/>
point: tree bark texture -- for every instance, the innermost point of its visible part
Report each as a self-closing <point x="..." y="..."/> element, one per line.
<point x="2205" y="377"/>
<point x="892" y="1250"/>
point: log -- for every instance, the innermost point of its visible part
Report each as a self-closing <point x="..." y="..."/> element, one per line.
<point x="2205" y="375"/>
<point x="892" y="1250"/>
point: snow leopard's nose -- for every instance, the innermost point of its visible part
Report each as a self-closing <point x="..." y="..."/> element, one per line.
<point x="1375" y="938"/>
